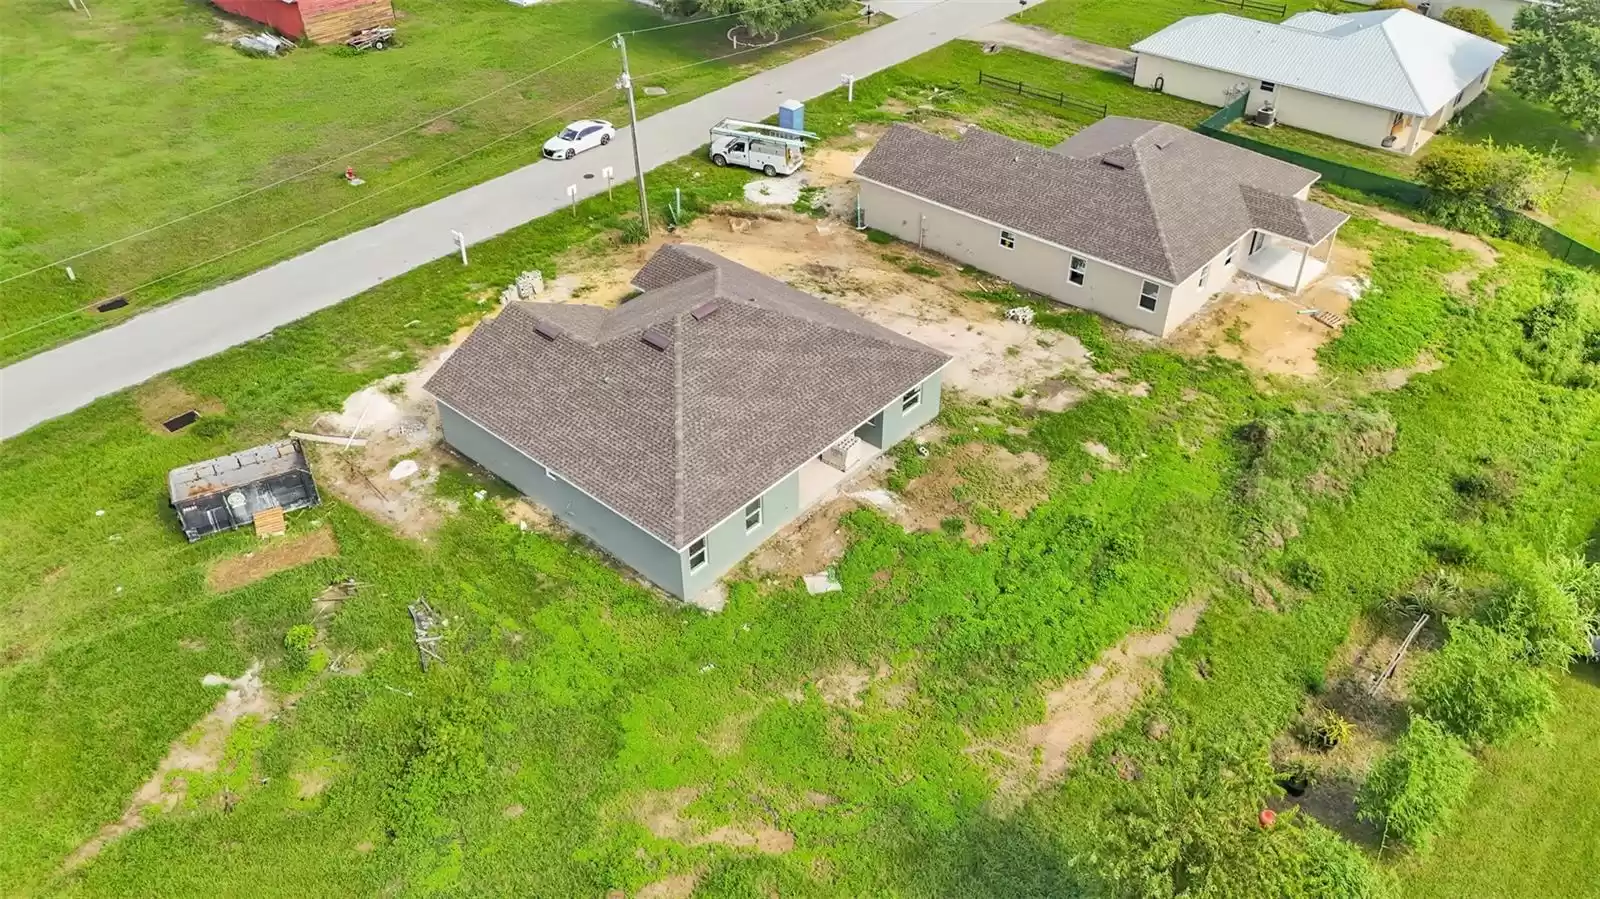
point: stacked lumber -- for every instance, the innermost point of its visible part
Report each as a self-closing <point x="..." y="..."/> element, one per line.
<point x="270" y="523"/>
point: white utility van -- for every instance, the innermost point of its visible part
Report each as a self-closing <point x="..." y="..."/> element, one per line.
<point x="766" y="148"/>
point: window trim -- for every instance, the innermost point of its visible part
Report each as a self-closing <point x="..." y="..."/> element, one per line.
<point x="1154" y="298"/>
<point x="1077" y="270"/>
<point x="551" y="474"/>
<point x="911" y="399"/>
<point x="1205" y="272"/>
<point x="1008" y="239"/>
<point x="703" y="552"/>
<point x="1232" y="251"/>
<point x="1459" y="98"/>
<point x="758" y="508"/>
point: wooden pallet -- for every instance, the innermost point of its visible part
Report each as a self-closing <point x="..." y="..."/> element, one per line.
<point x="1331" y="319"/>
<point x="269" y="522"/>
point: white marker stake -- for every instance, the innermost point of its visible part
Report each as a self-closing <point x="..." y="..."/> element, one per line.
<point x="606" y="174"/>
<point x="461" y="241"/>
<point x="849" y="82"/>
<point x="71" y="275"/>
<point x="572" y="194"/>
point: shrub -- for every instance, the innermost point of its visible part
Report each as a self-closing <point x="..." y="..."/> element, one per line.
<point x="1560" y="339"/>
<point x="1545" y="621"/>
<point x="1478" y="688"/>
<point x="632" y="231"/>
<point x="1437" y="594"/>
<point x="297" y="643"/>
<point x="1414" y="789"/>
<point x="1331" y="729"/>
<point x="1393" y="4"/>
<point x="1474" y="21"/>
<point x="1472" y="185"/>
<point x="1305" y="574"/>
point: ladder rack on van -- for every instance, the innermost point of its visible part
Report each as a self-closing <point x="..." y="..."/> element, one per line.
<point x="786" y="137"/>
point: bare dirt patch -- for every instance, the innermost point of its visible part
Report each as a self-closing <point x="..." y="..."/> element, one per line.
<point x="1076" y="711"/>
<point x="1396" y="378"/>
<point x="678" y="886"/>
<point x="992" y="357"/>
<point x="1270" y="332"/>
<point x="277" y="555"/>
<point x="400" y="424"/>
<point x="662" y="813"/>
<point x="163" y="398"/>
<point x="808" y="546"/>
<point x="440" y="126"/>
<point x="198" y="750"/>
<point x="973" y="475"/>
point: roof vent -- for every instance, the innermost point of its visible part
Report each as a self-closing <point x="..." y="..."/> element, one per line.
<point x="546" y="330"/>
<point x="1110" y="164"/>
<point x="705" y="310"/>
<point x="1163" y="143"/>
<point x="654" y="339"/>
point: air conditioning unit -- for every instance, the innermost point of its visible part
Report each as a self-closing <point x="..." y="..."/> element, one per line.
<point x="1266" y="116"/>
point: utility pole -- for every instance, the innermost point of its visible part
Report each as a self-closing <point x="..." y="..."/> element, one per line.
<point x="626" y="83"/>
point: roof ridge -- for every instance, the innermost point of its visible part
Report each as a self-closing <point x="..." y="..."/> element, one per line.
<point x="1150" y="200"/>
<point x="1400" y="58"/>
<point x="679" y="514"/>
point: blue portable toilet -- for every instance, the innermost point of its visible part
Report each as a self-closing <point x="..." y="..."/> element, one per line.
<point x="792" y="115"/>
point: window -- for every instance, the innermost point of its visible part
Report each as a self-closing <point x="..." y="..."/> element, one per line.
<point x="1461" y="96"/>
<point x="697" y="555"/>
<point x="752" y="516"/>
<point x="1148" y="294"/>
<point x="1080" y="270"/>
<point x="551" y="474"/>
<point x="1007" y="239"/>
<point x="1268" y="87"/>
<point x="1231" y="250"/>
<point x="1484" y="78"/>
<point x="1205" y="272"/>
<point x="911" y="399"/>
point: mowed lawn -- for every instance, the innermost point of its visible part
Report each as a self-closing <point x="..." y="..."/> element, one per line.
<point x="1532" y="827"/>
<point x="144" y="114"/>
<point x="1117" y="23"/>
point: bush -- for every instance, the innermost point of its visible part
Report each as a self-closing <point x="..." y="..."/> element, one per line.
<point x="1393" y="4"/>
<point x="1471" y="186"/>
<point x="1478" y="687"/>
<point x="1474" y="21"/>
<point x="1560" y="337"/>
<point x="1546" y="610"/>
<point x="297" y="643"/>
<point x="1330" y="729"/>
<point x="1414" y="789"/>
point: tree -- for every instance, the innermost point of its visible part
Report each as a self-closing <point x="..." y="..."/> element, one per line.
<point x="1393" y="4"/>
<point x="761" y="17"/>
<point x="1478" y="688"/>
<point x="1472" y="186"/>
<point x="1415" y="788"/>
<point x="1555" y="59"/>
<point x="1474" y="21"/>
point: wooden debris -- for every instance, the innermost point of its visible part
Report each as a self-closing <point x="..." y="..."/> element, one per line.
<point x="270" y="523"/>
<point x="1331" y="319"/>
<point x="1394" y="663"/>
<point x="325" y="438"/>
<point x="426" y="625"/>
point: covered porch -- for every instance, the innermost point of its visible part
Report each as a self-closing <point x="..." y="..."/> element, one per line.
<point x="1286" y="263"/>
<point x="822" y="474"/>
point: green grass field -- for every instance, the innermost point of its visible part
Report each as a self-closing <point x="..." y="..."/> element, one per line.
<point x="138" y="116"/>
<point x="1118" y="24"/>
<point x="1529" y="829"/>
<point x="574" y="700"/>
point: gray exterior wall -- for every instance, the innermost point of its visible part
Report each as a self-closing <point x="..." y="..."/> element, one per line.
<point x="631" y="544"/>
<point x="1038" y="266"/>
<point x="668" y="568"/>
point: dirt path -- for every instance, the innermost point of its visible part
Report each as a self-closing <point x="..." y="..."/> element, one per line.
<point x="1056" y="46"/>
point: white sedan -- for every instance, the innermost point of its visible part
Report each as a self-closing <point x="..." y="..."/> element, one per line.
<point x="585" y="134"/>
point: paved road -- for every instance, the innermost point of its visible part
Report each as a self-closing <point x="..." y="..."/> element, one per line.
<point x="56" y="382"/>
<point x="1056" y="46"/>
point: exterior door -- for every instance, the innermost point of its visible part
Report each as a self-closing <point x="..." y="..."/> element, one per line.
<point x="1257" y="241"/>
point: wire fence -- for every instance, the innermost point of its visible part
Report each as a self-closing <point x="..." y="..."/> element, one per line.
<point x="1561" y="246"/>
<point x="1022" y="88"/>
<point x="1278" y="9"/>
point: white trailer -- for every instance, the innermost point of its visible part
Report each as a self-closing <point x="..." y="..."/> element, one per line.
<point x="766" y="148"/>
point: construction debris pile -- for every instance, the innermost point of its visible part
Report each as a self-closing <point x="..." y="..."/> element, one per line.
<point x="527" y="286"/>
<point x="427" y="631"/>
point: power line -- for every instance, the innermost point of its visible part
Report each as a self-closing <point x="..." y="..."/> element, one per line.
<point x="312" y="220"/>
<point x="303" y="172"/>
<point x="388" y="188"/>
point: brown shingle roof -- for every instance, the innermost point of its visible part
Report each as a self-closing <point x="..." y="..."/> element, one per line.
<point x="744" y="391"/>
<point x="1149" y="196"/>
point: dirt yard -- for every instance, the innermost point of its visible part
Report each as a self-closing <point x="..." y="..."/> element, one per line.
<point x="278" y="554"/>
<point x="1270" y="332"/>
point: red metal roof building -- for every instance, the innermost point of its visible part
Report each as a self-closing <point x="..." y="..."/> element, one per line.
<point x="320" y="21"/>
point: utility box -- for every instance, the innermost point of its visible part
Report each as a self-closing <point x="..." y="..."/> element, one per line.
<point x="792" y="115"/>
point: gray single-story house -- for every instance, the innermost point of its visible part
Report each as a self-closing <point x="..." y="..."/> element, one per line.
<point x="1140" y="221"/>
<point x="683" y="428"/>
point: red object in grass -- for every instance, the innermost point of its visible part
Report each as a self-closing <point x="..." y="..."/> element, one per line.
<point x="350" y="173"/>
<point x="1268" y="817"/>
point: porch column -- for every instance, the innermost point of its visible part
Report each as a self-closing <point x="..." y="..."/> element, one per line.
<point x="1333" y="241"/>
<point x="1299" y="276"/>
<point x="1416" y="134"/>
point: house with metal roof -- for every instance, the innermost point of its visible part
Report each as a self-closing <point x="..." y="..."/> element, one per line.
<point x="1386" y="78"/>
<point x="681" y="429"/>
<point x="1140" y="221"/>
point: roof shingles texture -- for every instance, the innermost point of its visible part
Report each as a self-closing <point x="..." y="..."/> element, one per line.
<point x="677" y="439"/>
<point x="1148" y="196"/>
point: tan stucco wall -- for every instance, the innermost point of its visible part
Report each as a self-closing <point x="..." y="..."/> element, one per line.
<point x="1180" y="79"/>
<point x="1354" y="122"/>
<point x="1191" y="295"/>
<point x="1033" y="264"/>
